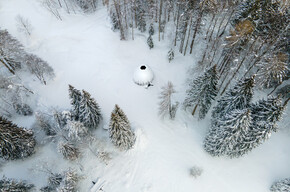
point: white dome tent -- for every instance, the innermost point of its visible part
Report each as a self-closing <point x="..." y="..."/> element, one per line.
<point x="143" y="76"/>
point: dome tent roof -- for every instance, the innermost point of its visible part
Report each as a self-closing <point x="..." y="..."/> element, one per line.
<point x="143" y="75"/>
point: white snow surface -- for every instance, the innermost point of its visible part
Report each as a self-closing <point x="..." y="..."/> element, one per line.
<point x="143" y="75"/>
<point x="85" y="53"/>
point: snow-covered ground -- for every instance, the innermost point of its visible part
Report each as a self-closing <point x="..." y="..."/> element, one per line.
<point x="86" y="53"/>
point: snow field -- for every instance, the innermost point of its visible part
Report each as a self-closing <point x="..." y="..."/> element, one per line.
<point x="87" y="54"/>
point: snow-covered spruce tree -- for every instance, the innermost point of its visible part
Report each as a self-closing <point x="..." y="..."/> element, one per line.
<point x="151" y="29"/>
<point x="229" y="135"/>
<point x="265" y="115"/>
<point x="75" y="96"/>
<point x="12" y="185"/>
<point x="68" y="150"/>
<point x="90" y="112"/>
<point x="120" y="130"/>
<point x="202" y="92"/>
<point x="15" y="142"/>
<point x="238" y="97"/>
<point x="165" y="105"/>
<point x="170" y="55"/>
<point x="117" y="110"/>
<point x="281" y="186"/>
<point x="150" y="42"/>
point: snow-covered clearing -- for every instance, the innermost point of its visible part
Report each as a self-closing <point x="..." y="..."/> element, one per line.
<point x="86" y="53"/>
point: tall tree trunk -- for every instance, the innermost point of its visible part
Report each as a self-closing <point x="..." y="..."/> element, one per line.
<point x="117" y="8"/>
<point x="183" y="36"/>
<point x="160" y="13"/>
<point x="164" y="23"/>
<point x="125" y="12"/>
<point x="177" y="23"/>
<point x="135" y="13"/>
<point x="188" y="35"/>
<point x="197" y="25"/>
<point x="10" y="69"/>
<point x="156" y="10"/>
<point x="194" y="109"/>
<point x="132" y="22"/>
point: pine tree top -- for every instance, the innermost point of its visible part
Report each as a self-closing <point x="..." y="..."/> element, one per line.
<point x="74" y="94"/>
<point x="118" y="111"/>
<point x="243" y="87"/>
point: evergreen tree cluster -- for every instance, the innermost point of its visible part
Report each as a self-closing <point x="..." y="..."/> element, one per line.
<point x="88" y="113"/>
<point x="282" y="185"/>
<point x="238" y="125"/>
<point x="85" y="108"/>
<point x="7" y="185"/>
<point x="65" y="182"/>
<point x="15" y="142"/>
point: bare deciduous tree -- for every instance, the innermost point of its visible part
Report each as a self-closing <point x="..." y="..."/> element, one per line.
<point x="24" y="25"/>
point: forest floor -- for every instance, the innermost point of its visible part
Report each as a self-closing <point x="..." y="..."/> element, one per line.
<point x="86" y="53"/>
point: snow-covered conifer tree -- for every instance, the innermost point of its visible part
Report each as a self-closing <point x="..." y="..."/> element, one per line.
<point x="151" y="29"/>
<point x="265" y="114"/>
<point x="202" y="92"/>
<point x="281" y="186"/>
<point x="238" y="97"/>
<point x="170" y="55"/>
<point x="229" y="135"/>
<point x="90" y="112"/>
<point x="165" y="105"/>
<point x="15" y="142"/>
<point x="75" y="96"/>
<point x="120" y="130"/>
<point x="150" y="42"/>
<point x="12" y="185"/>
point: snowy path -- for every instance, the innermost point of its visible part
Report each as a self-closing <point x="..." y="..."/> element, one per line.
<point x="85" y="52"/>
